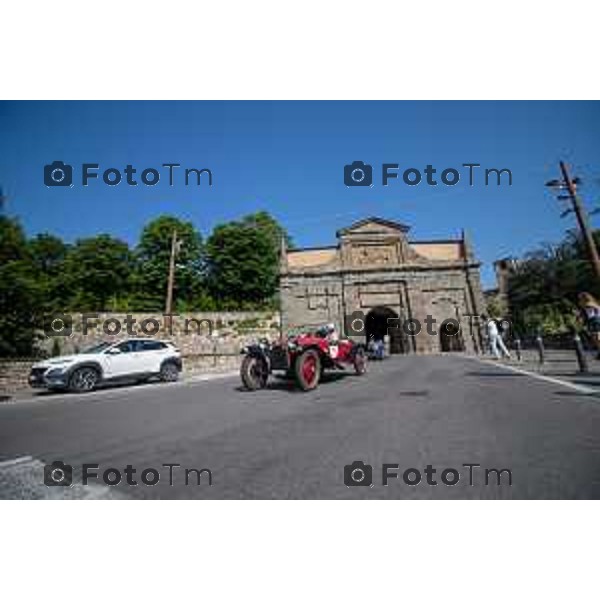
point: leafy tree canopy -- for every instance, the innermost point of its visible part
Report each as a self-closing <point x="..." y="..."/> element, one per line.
<point x="13" y="244"/>
<point x="153" y="254"/>
<point x="242" y="262"/>
<point x="20" y="293"/>
<point x="265" y="223"/>
<point x="543" y="290"/>
<point x="238" y="268"/>
<point x="47" y="252"/>
<point x="97" y="269"/>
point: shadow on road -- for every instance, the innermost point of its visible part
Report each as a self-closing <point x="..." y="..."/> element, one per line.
<point x="109" y="385"/>
<point x="493" y="374"/>
<point x="595" y="395"/>
<point x="583" y="379"/>
<point x="280" y="383"/>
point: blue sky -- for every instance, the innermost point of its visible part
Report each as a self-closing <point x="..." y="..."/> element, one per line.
<point x="288" y="158"/>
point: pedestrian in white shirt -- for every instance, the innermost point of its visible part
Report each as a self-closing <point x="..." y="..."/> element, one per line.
<point x="496" y="341"/>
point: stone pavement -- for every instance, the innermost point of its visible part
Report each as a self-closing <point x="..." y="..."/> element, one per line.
<point x="560" y="364"/>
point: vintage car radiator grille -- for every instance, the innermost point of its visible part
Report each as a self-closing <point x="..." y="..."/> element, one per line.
<point x="279" y="358"/>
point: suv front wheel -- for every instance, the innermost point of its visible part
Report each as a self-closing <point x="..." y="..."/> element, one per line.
<point x="169" y="372"/>
<point x="83" y="379"/>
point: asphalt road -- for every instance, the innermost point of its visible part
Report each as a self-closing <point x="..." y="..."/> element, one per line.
<point x="413" y="411"/>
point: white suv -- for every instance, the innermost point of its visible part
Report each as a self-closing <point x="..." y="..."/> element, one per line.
<point x="136" y="359"/>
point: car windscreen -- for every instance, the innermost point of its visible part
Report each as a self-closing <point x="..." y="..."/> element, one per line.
<point x="97" y="348"/>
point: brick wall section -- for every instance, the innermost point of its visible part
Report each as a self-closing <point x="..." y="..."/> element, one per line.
<point x="13" y="375"/>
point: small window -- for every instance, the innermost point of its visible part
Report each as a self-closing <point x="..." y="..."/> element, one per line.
<point x="127" y="347"/>
<point x="146" y="345"/>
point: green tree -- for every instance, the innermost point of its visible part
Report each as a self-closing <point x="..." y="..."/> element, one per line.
<point x="48" y="254"/>
<point x="20" y="293"/>
<point x="264" y="222"/>
<point x="152" y="265"/>
<point x="542" y="292"/>
<point x="242" y="263"/>
<point x="13" y="245"/>
<point x="97" y="270"/>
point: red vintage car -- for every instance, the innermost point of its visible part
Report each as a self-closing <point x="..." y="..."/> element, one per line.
<point x="304" y="356"/>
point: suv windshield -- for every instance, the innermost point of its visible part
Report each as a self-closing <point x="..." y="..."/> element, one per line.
<point x="97" y="348"/>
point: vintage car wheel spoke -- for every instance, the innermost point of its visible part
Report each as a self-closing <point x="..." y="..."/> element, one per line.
<point x="309" y="369"/>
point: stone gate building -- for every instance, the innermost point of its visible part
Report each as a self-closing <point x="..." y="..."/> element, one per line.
<point x="375" y="270"/>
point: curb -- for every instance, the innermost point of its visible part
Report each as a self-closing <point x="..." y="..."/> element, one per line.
<point x="22" y="396"/>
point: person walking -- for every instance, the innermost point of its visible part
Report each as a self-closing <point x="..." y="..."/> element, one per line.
<point x="590" y="312"/>
<point x="495" y="338"/>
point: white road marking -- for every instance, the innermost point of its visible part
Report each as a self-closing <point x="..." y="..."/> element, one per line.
<point x="568" y="384"/>
<point x="15" y="461"/>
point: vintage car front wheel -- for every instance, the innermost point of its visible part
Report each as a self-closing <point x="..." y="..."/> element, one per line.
<point x="254" y="373"/>
<point x="308" y="370"/>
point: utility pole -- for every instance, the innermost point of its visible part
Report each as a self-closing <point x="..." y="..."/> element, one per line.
<point x="171" y="280"/>
<point x="577" y="207"/>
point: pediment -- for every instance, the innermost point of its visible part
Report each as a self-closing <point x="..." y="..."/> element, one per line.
<point x="374" y="225"/>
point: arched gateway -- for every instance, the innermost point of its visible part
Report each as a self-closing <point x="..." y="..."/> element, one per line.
<point x="376" y="272"/>
<point x="382" y="321"/>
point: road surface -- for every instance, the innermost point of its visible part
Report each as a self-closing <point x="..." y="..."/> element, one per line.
<point x="409" y="412"/>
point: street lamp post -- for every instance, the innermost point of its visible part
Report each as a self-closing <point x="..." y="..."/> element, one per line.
<point x="570" y="185"/>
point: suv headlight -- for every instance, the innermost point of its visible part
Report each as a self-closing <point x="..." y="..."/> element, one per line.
<point x="54" y="371"/>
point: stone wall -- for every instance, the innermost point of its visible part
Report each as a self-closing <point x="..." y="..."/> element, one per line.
<point x="13" y="376"/>
<point x="210" y="342"/>
<point x="443" y="293"/>
<point x="192" y="333"/>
